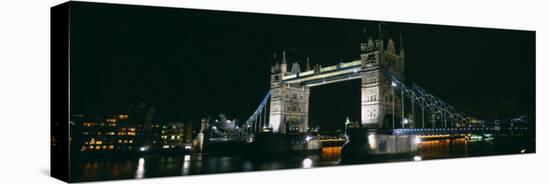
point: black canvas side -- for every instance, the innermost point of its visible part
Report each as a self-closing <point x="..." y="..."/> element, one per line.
<point x="59" y="125"/>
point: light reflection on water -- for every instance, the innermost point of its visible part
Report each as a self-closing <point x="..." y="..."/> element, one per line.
<point x="191" y="164"/>
<point x="140" y="169"/>
<point x="307" y="163"/>
<point x="186" y="164"/>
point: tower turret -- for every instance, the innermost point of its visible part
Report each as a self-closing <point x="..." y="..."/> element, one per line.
<point x="308" y="68"/>
<point x="391" y="46"/>
<point x="295" y="68"/>
<point x="283" y="64"/>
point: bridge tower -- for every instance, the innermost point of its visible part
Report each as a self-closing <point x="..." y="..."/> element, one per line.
<point x="289" y="105"/>
<point x="380" y="102"/>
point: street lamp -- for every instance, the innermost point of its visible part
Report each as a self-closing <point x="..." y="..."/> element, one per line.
<point x="212" y="130"/>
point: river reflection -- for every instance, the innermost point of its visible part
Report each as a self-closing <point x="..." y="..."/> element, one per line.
<point x="192" y="164"/>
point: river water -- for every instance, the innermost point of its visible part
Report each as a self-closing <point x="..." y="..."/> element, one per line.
<point x="193" y="164"/>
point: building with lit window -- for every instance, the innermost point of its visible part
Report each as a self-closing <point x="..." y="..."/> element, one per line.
<point x="176" y="136"/>
<point x="103" y="134"/>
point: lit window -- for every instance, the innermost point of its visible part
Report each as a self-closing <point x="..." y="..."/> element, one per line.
<point x="122" y="116"/>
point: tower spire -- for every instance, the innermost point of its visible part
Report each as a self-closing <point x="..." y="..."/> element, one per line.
<point x="284" y="57"/>
<point x="283" y="64"/>
<point x="308" y="68"/>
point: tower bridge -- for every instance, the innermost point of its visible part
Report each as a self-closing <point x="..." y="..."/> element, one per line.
<point x="289" y="104"/>
<point x="384" y="95"/>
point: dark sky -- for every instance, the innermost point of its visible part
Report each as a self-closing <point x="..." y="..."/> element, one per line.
<point x="192" y="63"/>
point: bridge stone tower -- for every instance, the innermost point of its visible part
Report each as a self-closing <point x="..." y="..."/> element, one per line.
<point x="379" y="100"/>
<point x="289" y="105"/>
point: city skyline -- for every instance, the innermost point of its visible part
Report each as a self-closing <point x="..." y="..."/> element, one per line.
<point x="143" y="92"/>
<point x="184" y="64"/>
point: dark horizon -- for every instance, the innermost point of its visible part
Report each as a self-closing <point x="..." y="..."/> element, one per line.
<point x="194" y="63"/>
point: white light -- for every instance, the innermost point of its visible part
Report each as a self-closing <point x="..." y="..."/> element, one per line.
<point x="186" y="164"/>
<point x="307" y="163"/>
<point x="523" y="151"/>
<point x="372" y="141"/>
<point x="187" y="147"/>
<point x="250" y="140"/>
<point x="405" y="121"/>
<point x="308" y="138"/>
<point x="143" y="149"/>
<point x="417" y="158"/>
<point x="214" y="127"/>
<point x="393" y="84"/>
<point x="417" y="140"/>
<point x="140" y="169"/>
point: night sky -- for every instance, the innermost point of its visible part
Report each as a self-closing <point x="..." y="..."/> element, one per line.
<point x="194" y="63"/>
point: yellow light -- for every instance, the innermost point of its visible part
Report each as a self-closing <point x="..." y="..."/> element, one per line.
<point x="122" y="116"/>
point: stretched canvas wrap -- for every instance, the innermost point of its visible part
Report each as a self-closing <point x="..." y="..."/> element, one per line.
<point x="141" y="92"/>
